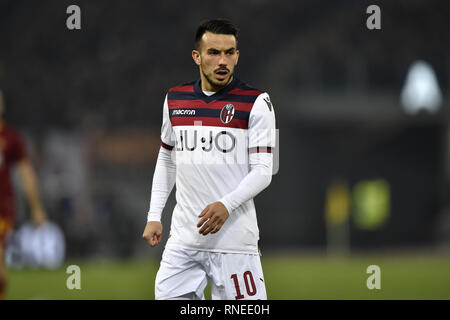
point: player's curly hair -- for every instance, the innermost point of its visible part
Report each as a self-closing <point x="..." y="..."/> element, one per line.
<point x="217" y="26"/>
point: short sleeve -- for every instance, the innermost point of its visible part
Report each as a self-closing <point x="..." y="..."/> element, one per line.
<point x="167" y="134"/>
<point x="261" y="126"/>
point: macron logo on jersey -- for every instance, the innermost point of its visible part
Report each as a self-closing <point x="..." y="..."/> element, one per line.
<point x="183" y="112"/>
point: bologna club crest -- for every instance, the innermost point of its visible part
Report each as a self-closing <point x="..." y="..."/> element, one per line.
<point x="227" y="113"/>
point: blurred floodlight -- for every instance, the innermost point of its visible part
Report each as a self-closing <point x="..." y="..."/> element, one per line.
<point x="421" y="89"/>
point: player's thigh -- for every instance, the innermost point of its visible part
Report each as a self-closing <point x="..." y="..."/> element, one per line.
<point x="179" y="275"/>
<point x="6" y="225"/>
<point x="241" y="278"/>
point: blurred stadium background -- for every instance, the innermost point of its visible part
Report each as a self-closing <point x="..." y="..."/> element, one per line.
<point x="363" y="180"/>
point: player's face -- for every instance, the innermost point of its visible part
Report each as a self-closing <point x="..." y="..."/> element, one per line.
<point x="217" y="57"/>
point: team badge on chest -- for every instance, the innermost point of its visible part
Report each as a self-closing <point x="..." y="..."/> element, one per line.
<point x="227" y="113"/>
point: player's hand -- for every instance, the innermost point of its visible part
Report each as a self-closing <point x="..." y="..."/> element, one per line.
<point x="39" y="216"/>
<point x="152" y="233"/>
<point x="212" y="218"/>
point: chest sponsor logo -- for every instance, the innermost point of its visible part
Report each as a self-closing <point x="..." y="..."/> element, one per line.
<point x="189" y="140"/>
<point x="183" y="112"/>
<point x="227" y="113"/>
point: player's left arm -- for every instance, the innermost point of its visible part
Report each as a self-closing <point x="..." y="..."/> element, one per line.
<point x="28" y="179"/>
<point x="261" y="131"/>
<point x="29" y="184"/>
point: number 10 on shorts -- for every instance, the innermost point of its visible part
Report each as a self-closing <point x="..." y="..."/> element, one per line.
<point x="249" y="284"/>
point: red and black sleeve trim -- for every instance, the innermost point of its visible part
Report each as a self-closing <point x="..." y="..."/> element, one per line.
<point x="166" y="146"/>
<point x="260" y="149"/>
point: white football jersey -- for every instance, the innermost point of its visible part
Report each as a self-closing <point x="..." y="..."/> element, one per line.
<point x="214" y="139"/>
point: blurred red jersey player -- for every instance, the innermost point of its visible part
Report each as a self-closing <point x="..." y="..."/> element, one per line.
<point x="12" y="152"/>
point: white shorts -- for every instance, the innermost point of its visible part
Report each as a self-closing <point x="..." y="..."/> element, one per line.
<point x="184" y="274"/>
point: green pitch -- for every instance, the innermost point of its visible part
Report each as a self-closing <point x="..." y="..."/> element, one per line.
<point x="287" y="277"/>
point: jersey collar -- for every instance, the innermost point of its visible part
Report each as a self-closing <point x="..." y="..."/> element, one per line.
<point x="216" y="96"/>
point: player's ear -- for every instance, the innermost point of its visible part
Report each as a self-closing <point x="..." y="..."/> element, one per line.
<point x="237" y="57"/>
<point x="196" y="57"/>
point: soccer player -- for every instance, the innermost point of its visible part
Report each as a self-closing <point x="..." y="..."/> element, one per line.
<point x="217" y="139"/>
<point x="12" y="152"/>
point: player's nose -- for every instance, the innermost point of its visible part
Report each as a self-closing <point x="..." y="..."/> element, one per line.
<point x="222" y="60"/>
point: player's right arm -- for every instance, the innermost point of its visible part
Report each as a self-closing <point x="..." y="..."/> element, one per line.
<point x="28" y="179"/>
<point x="163" y="181"/>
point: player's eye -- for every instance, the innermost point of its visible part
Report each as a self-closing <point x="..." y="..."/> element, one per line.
<point x="213" y="52"/>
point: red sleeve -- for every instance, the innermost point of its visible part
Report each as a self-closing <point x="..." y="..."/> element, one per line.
<point x="19" y="151"/>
